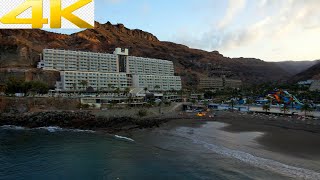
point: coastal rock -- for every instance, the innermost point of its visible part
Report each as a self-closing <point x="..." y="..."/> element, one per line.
<point x="77" y="120"/>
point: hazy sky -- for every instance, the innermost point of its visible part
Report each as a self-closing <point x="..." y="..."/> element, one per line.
<point x="272" y="30"/>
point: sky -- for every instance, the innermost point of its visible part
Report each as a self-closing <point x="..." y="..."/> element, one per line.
<point x="271" y="30"/>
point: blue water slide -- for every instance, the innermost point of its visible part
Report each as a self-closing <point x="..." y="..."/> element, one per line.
<point x="294" y="98"/>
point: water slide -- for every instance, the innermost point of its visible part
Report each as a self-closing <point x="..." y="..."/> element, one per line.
<point x="277" y="98"/>
<point x="294" y="98"/>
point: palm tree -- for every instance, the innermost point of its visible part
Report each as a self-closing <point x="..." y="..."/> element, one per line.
<point x="232" y="103"/>
<point x="193" y="101"/>
<point x="181" y="94"/>
<point x="284" y="109"/>
<point x="127" y="90"/>
<point x="130" y="99"/>
<point x="84" y="84"/>
<point x="74" y="87"/>
<point x="249" y="102"/>
<point x="145" y="92"/>
<point x="109" y="87"/>
<point x="306" y="108"/>
<point x="266" y="107"/>
<point x="156" y="87"/>
<point x="117" y="91"/>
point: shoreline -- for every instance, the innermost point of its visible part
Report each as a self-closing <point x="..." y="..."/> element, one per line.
<point x="281" y="134"/>
<point x="285" y="135"/>
<point x="81" y="120"/>
<point x="88" y="120"/>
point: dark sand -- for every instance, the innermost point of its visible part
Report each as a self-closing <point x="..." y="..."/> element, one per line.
<point x="285" y="135"/>
<point x="281" y="139"/>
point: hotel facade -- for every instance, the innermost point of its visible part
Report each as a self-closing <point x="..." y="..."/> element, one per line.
<point x="102" y="71"/>
<point x="219" y="83"/>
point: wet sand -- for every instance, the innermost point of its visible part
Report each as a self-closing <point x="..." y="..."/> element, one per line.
<point x="282" y="134"/>
<point x="242" y="139"/>
<point x="280" y="138"/>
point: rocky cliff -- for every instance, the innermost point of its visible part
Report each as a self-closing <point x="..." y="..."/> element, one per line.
<point x="21" y="49"/>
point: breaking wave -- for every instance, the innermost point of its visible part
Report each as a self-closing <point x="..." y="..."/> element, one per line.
<point x="11" y="127"/>
<point x="263" y="163"/>
<point x="51" y="129"/>
<point x="125" y="138"/>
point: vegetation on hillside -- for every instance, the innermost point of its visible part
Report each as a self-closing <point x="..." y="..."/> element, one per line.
<point x="14" y="85"/>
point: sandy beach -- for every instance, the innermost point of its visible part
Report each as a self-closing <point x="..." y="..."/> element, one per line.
<point x="281" y="138"/>
<point x="281" y="133"/>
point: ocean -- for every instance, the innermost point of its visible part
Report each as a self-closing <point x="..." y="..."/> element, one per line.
<point x="184" y="152"/>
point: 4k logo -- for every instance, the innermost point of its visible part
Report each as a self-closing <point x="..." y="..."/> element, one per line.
<point x="60" y="13"/>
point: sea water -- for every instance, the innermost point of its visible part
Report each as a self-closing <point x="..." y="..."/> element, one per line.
<point x="182" y="153"/>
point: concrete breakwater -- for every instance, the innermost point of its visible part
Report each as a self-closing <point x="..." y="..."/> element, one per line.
<point x="78" y="120"/>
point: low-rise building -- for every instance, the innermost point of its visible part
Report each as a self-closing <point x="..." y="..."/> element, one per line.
<point x="218" y="83"/>
<point x="315" y="86"/>
<point x="306" y="83"/>
<point x="232" y="83"/>
<point x="157" y="82"/>
<point x="210" y="83"/>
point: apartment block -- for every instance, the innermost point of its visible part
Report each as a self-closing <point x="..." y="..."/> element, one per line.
<point x="101" y="70"/>
<point x="315" y="86"/>
<point x="157" y="82"/>
<point x="232" y="83"/>
<point x="219" y="83"/>
<point x="148" y="66"/>
<point x="72" y="80"/>
<point x="64" y="60"/>
<point x="211" y="83"/>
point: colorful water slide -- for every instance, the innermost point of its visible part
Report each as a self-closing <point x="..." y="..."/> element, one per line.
<point x="294" y="98"/>
<point x="277" y="98"/>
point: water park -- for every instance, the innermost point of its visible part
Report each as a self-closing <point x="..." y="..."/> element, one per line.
<point x="277" y="102"/>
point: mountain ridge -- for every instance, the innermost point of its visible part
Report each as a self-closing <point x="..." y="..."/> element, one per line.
<point x="295" y="67"/>
<point x="21" y="48"/>
<point x="311" y="73"/>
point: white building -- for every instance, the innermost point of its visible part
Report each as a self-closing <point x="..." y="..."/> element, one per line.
<point x="147" y="66"/>
<point x="71" y="80"/>
<point x="101" y="70"/>
<point x="306" y="83"/>
<point x="157" y="82"/>
<point x="63" y="60"/>
<point x="315" y="86"/>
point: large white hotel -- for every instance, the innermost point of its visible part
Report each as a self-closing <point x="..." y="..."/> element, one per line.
<point x="102" y="71"/>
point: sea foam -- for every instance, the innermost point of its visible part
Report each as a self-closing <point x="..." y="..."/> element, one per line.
<point x="125" y="138"/>
<point x="12" y="127"/>
<point x="51" y="129"/>
<point x="59" y="129"/>
<point x="263" y="163"/>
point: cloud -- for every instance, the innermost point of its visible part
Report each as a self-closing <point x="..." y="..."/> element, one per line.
<point x="222" y="39"/>
<point x="279" y="26"/>
<point x="234" y="7"/>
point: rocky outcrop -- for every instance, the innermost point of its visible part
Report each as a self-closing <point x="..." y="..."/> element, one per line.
<point x="77" y="120"/>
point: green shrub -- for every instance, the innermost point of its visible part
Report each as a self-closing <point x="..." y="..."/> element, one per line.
<point x="142" y="113"/>
<point x="83" y="106"/>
